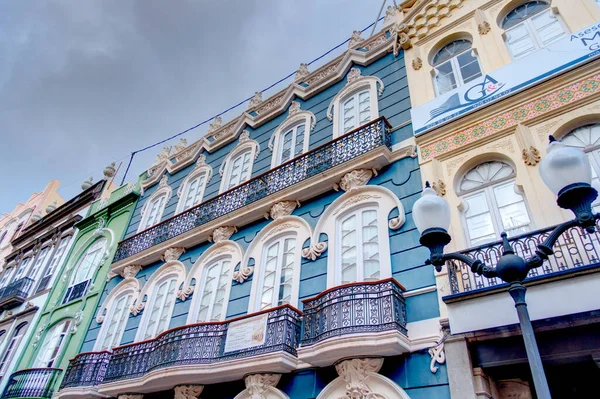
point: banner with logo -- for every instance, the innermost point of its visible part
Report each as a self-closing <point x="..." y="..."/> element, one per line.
<point x="567" y="53"/>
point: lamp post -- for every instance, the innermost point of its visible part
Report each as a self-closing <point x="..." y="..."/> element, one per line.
<point x="567" y="172"/>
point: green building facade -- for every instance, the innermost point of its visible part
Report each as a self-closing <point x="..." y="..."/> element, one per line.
<point x="65" y="319"/>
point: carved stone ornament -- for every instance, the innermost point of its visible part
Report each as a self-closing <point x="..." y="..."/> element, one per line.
<point x="302" y="72"/>
<point x="215" y="125"/>
<point x="439" y="187"/>
<point x="283" y="208"/>
<point x="355" y="39"/>
<point x="222" y="233"/>
<point x="531" y="156"/>
<point x="131" y="396"/>
<point x="353" y="75"/>
<point x="110" y="276"/>
<point x="356" y="178"/>
<point x="137" y="308"/>
<point x="244" y="136"/>
<point x="314" y="251"/>
<point x="257" y="385"/>
<point x="354" y="372"/>
<point x="87" y="184"/>
<point x="109" y="171"/>
<point x="294" y="108"/>
<point x="77" y="320"/>
<point x="163" y="155"/>
<point x="172" y="254"/>
<point x="38" y="334"/>
<point x="256" y="100"/>
<point x="483" y="28"/>
<point x="185" y="293"/>
<point x="242" y="274"/>
<point x="164" y="181"/>
<point x="188" y="391"/>
<point x="181" y="145"/>
<point x="417" y="63"/>
<point x="131" y="271"/>
<point x="99" y="227"/>
<point x="201" y="161"/>
<point x="390" y="15"/>
<point x="437" y="356"/>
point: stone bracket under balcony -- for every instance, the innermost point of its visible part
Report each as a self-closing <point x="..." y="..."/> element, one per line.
<point x="206" y="353"/>
<point x="15" y="293"/>
<point x="367" y="147"/>
<point x="353" y="320"/>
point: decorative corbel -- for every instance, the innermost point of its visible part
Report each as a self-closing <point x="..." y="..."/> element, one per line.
<point x="222" y="233"/>
<point x="438" y="355"/>
<point x="257" y="385"/>
<point x="356" y="178"/>
<point x="185" y="293"/>
<point x="130" y="271"/>
<point x="173" y="253"/>
<point x="483" y="26"/>
<point x="355" y="373"/>
<point x="188" y="391"/>
<point x="283" y="208"/>
<point x="243" y="274"/>
<point x="314" y="251"/>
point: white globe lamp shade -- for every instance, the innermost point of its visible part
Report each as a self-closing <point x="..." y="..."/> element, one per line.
<point x="431" y="211"/>
<point x="564" y="166"/>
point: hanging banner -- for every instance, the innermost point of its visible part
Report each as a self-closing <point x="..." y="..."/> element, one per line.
<point x="567" y="53"/>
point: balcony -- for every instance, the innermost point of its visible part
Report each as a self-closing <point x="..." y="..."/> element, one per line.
<point x="85" y="372"/>
<point x="205" y="353"/>
<point x="15" y="293"/>
<point x="32" y="383"/>
<point x="367" y="147"/>
<point x="560" y="286"/>
<point x="355" y="319"/>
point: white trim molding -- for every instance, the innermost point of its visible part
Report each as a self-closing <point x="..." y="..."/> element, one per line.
<point x="201" y="169"/>
<point x="283" y="226"/>
<point x="355" y="83"/>
<point x="295" y="118"/>
<point x="244" y="144"/>
<point x="224" y="249"/>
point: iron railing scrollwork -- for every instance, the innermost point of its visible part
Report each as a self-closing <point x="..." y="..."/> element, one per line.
<point x="17" y="290"/>
<point x="87" y="369"/>
<point x="32" y="383"/>
<point x="360" y="141"/>
<point x="574" y="249"/>
<point x="201" y="344"/>
<point x="354" y="308"/>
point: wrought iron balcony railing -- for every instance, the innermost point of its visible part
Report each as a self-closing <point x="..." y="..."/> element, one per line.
<point x="574" y="250"/>
<point x="86" y="370"/>
<point x="15" y="293"/>
<point x="360" y="141"/>
<point x="202" y="344"/>
<point x="32" y="383"/>
<point x="354" y="308"/>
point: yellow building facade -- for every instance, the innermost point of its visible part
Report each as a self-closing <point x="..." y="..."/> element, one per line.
<point x="489" y="82"/>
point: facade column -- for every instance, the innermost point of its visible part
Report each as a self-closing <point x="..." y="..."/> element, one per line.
<point x="460" y="369"/>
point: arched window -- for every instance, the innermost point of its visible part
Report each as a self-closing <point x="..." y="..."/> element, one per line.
<point x="587" y="138"/>
<point x="237" y="166"/>
<point x="53" y="343"/>
<point x="153" y="211"/>
<point x="192" y="192"/>
<point x="277" y="272"/>
<point x="291" y="138"/>
<point x="356" y="111"/>
<point x="214" y="284"/>
<point x="11" y="347"/>
<point x="158" y="314"/>
<point x="455" y="64"/>
<point x="531" y="26"/>
<point x="491" y="203"/>
<point x="292" y="143"/>
<point x="115" y="322"/>
<point x="7" y="276"/>
<point x="39" y="263"/>
<point x="21" y="270"/>
<point x="53" y="263"/>
<point x="358" y="245"/>
<point x="84" y="269"/>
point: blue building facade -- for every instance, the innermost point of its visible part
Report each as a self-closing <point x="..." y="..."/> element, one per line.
<point x="277" y="257"/>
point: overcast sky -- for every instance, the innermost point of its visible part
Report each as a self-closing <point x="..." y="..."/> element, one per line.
<point x="85" y="82"/>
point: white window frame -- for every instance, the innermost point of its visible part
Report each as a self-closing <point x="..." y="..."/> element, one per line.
<point x="355" y="84"/>
<point x="21" y="270"/>
<point x="202" y="285"/>
<point x="40" y="262"/>
<point x="58" y="349"/>
<point x="110" y="321"/>
<point x="295" y="118"/>
<point x="167" y="281"/>
<point x="163" y="193"/>
<point x="102" y="252"/>
<point x="532" y="31"/>
<point x="455" y="68"/>
<point x="145" y="300"/>
<point x="201" y="170"/>
<point x="488" y="190"/>
<point x="56" y="259"/>
<point x="244" y="145"/>
<point x="129" y="286"/>
<point x="11" y="347"/>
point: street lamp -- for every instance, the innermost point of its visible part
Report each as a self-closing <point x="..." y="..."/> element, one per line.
<point x="567" y="172"/>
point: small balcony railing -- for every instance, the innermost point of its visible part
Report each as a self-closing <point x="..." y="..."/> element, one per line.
<point x="86" y="370"/>
<point x="574" y="250"/>
<point x="15" y="293"/>
<point x="32" y="383"/>
<point x="360" y="141"/>
<point x="203" y="344"/>
<point x="354" y="308"/>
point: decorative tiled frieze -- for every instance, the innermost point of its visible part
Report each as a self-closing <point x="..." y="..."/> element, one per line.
<point x="551" y="102"/>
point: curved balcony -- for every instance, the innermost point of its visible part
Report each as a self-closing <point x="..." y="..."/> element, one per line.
<point x="367" y="318"/>
<point x="32" y="383"/>
<point x="203" y="353"/>
<point x="325" y="165"/>
<point x="15" y="293"/>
